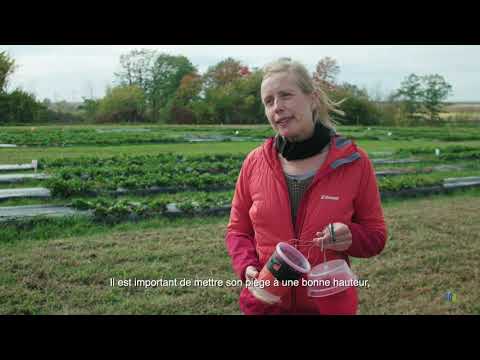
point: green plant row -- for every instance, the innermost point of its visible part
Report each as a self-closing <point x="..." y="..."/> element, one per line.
<point x="453" y="149"/>
<point x="117" y="210"/>
<point x="40" y="136"/>
<point x="70" y="177"/>
<point x="401" y="182"/>
<point x="68" y="136"/>
<point x="163" y="159"/>
<point x="410" y="133"/>
<point x="183" y="175"/>
<point x="170" y="182"/>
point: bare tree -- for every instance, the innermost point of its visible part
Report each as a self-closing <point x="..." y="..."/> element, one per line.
<point x="137" y="66"/>
<point x="7" y="67"/>
<point x="326" y="72"/>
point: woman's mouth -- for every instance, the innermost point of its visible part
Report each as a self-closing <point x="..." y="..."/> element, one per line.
<point x="284" y="122"/>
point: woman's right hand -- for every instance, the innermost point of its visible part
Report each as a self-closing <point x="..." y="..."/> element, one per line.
<point x="251" y="273"/>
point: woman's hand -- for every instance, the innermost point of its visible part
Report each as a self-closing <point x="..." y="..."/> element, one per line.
<point x="338" y="238"/>
<point x="251" y="273"/>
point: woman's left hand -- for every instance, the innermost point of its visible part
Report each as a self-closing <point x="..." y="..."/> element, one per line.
<point x="340" y="241"/>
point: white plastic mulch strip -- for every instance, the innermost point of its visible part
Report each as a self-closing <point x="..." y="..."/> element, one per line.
<point x="17" y="167"/>
<point x="25" y="192"/>
<point x="28" y="211"/>
<point x="392" y="161"/>
<point x="12" y="178"/>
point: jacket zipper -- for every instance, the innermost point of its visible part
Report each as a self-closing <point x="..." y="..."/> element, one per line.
<point x="295" y="234"/>
<point x="297" y="230"/>
<point x="300" y="217"/>
<point x="295" y="244"/>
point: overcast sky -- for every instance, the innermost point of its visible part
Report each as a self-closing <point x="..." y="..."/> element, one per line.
<point x="70" y="72"/>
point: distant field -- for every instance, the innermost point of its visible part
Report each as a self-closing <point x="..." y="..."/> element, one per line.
<point x="50" y="142"/>
<point x="462" y="112"/>
<point x="462" y="117"/>
<point x="463" y="107"/>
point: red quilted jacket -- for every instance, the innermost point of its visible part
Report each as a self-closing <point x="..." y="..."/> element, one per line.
<point x="343" y="190"/>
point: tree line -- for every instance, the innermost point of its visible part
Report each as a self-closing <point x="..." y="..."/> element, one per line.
<point x="162" y="88"/>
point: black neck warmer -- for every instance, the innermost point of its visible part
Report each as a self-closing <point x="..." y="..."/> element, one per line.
<point x="306" y="148"/>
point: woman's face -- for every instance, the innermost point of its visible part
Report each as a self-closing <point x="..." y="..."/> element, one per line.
<point x="287" y="108"/>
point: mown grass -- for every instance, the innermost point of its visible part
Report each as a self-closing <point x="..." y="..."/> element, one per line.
<point x="26" y="154"/>
<point x="432" y="248"/>
<point x="71" y="275"/>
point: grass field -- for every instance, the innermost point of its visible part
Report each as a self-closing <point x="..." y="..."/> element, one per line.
<point x="428" y="253"/>
<point x="64" y="266"/>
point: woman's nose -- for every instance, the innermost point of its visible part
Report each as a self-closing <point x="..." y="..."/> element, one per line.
<point x="278" y="106"/>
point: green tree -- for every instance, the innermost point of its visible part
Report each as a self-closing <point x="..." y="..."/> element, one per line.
<point x="189" y="88"/>
<point x="410" y="93"/>
<point x="89" y="108"/>
<point x="167" y="74"/>
<point x="122" y="103"/>
<point x="223" y="73"/>
<point x="353" y="90"/>
<point x="435" y="92"/>
<point x="7" y="67"/>
<point x="423" y="95"/>
<point x="222" y="100"/>
<point x="20" y="107"/>
<point x="237" y="101"/>
<point x="249" y="107"/>
<point x="358" y="108"/>
<point x="179" y="109"/>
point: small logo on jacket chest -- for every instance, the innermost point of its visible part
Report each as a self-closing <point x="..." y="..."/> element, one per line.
<point x="328" y="197"/>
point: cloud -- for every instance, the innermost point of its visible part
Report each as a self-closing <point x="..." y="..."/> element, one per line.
<point x="67" y="70"/>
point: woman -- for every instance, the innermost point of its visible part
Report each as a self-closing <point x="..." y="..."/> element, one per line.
<point x="294" y="186"/>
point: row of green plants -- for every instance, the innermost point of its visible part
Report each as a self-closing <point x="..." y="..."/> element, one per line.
<point x="93" y="175"/>
<point x="113" y="210"/>
<point x="445" y="154"/>
<point x="123" y="160"/>
<point x="409" y="133"/>
<point x="77" y="186"/>
<point x="65" y="136"/>
<point x="470" y="155"/>
<point x="168" y="162"/>
<point x="402" y="182"/>
<point x="179" y="173"/>
<point x="33" y="136"/>
<point x="452" y="149"/>
<point x="117" y="210"/>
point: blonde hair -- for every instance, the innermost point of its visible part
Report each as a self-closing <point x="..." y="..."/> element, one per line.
<point x="324" y="105"/>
